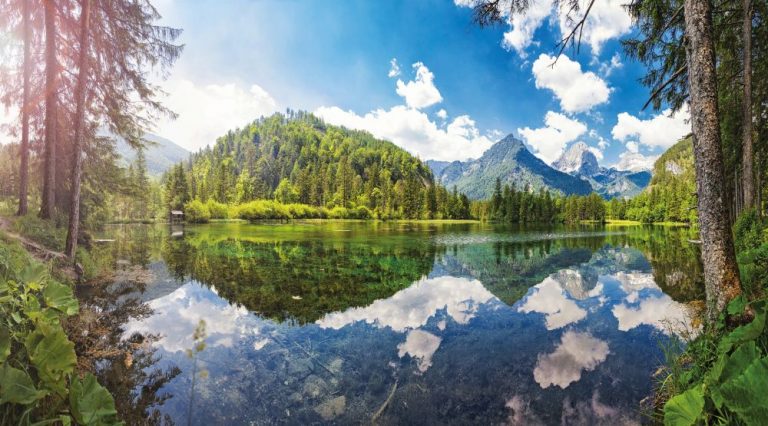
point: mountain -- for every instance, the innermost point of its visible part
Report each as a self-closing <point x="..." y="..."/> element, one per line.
<point x="298" y="158"/>
<point x="510" y="161"/>
<point x="160" y="153"/>
<point x="581" y="162"/>
<point x="578" y="159"/>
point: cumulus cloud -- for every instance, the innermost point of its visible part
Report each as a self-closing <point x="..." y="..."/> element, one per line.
<point x="549" y="299"/>
<point x="524" y="25"/>
<point x="662" y="130"/>
<point x="394" y="68"/>
<point x="577" y="351"/>
<point x="608" y="67"/>
<point x="635" y="162"/>
<point x="414" y="131"/>
<point x="549" y="142"/>
<point x="414" y="306"/>
<point x="419" y="345"/>
<point x="421" y="92"/>
<point x="657" y="310"/>
<point x="209" y="111"/>
<point x="576" y="90"/>
<point x="607" y="20"/>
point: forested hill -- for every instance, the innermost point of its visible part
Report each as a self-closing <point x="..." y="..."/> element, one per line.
<point x="298" y="158"/>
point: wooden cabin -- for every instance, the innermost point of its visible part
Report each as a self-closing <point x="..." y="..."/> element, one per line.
<point x="176" y="216"/>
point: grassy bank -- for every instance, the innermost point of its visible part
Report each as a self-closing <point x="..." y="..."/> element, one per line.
<point x="39" y="380"/>
<point x="722" y="375"/>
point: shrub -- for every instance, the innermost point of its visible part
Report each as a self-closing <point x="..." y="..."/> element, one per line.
<point x="37" y="360"/>
<point x="747" y="231"/>
<point x="217" y="210"/>
<point x="196" y="212"/>
<point x="41" y="231"/>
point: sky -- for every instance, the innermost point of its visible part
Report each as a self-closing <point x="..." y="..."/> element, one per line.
<point x="416" y="72"/>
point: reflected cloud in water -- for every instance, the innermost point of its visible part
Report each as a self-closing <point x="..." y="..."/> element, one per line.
<point x="576" y="352"/>
<point x="413" y="307"/>
<point x="421" y="346"/>
<point x="549" y="298"/>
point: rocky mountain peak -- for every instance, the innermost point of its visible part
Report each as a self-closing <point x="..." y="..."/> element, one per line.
<point x="578" y="159"/>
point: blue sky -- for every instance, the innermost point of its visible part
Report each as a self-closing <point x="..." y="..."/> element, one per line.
<point x="459" y="87"/>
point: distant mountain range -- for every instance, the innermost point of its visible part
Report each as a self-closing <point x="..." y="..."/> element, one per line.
<point x="575" y="172"/>
<point x="160" y="153"/>
<point x="511" y="162"/>
<point x="580" y="161"/>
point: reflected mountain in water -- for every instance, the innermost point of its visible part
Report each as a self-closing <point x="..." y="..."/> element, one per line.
<point x="325" y="322"/>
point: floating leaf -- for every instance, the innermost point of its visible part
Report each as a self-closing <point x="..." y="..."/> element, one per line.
<point x="60" y="297"/>
<point x="17" y="387"/>
<point x="91" y="404"/>
<point x="684" y="409"/>
<point x="746" y="393"/>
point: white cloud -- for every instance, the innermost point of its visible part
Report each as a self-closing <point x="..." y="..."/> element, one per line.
<point x="602" y="143"/>
<point x="577" y="91"/>
<point x="414" y="131"/>
<point x="523" y="26"/>
<point x="442" y="114"/>
<point x="421" y="92"/>
<point x="549" y="142"/>
<point x="549" y="299"/>
<point x="635" y="162"/>
<point x="608" y="19"/>
<point x="394" y="68"/>
<point x="207" y="112"/>
<point x="577" y="351"/>
<point x="662" y="130"/>
<point x="420" y="345"/>
<point x="658" y="311"/>
<point x="414" y="306"/>
<point x="608" y="67"/>
<point x="633" y="147"/>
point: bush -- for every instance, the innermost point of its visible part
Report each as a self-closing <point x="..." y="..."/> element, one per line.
<point x="37" y="359"/>
<point x="196" y="212"/>
<point x="748" y="231"/>
<point x="217" y="210"/>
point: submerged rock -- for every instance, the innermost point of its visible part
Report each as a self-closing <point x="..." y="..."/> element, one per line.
<point x="332" y="408"/>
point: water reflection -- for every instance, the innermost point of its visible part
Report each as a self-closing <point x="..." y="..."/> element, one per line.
<point x="440" y="324"/>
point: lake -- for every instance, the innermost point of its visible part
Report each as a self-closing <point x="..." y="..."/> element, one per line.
<point x="428" y="323"/>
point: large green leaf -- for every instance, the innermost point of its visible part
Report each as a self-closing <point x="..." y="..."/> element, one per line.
<point x="747" y="332"/>
<point x="17" y="387"/>
<point x="745" y="394"/>
<point x="726" y="368"/>
<point x="5" y="344"/>
<point x="53" y="355"/>
<point x="684" y="409"/>
<point x="90" y="403"/>
<point x="34" y="273"/>
<point x="60" y="297"/>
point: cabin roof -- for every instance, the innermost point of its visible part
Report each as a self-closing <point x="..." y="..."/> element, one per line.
<point x="177" y="212"/>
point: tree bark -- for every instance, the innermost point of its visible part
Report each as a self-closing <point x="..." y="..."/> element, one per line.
<point x="51" y="89"/>
<point x="721" y="273"/>
<point x="747" y="160"/>
<point x="77" y="155"/>
<point x="24" y="167"/>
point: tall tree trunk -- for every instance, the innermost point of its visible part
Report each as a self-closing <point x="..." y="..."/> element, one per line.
<point x="24" y="167"/>
<point x="77" y="155"/>
<point x="747" y="160"/>
<point x="51" y="89"/>
<point x="721" y="273"/>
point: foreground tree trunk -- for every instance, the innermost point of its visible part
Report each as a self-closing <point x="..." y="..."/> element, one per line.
<point x="51" y="88"/>
<point x="24" y="167"/>
<point x="77" y="155"/>
<point x="747" y="160"/>
<point x="721" y="273"/>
